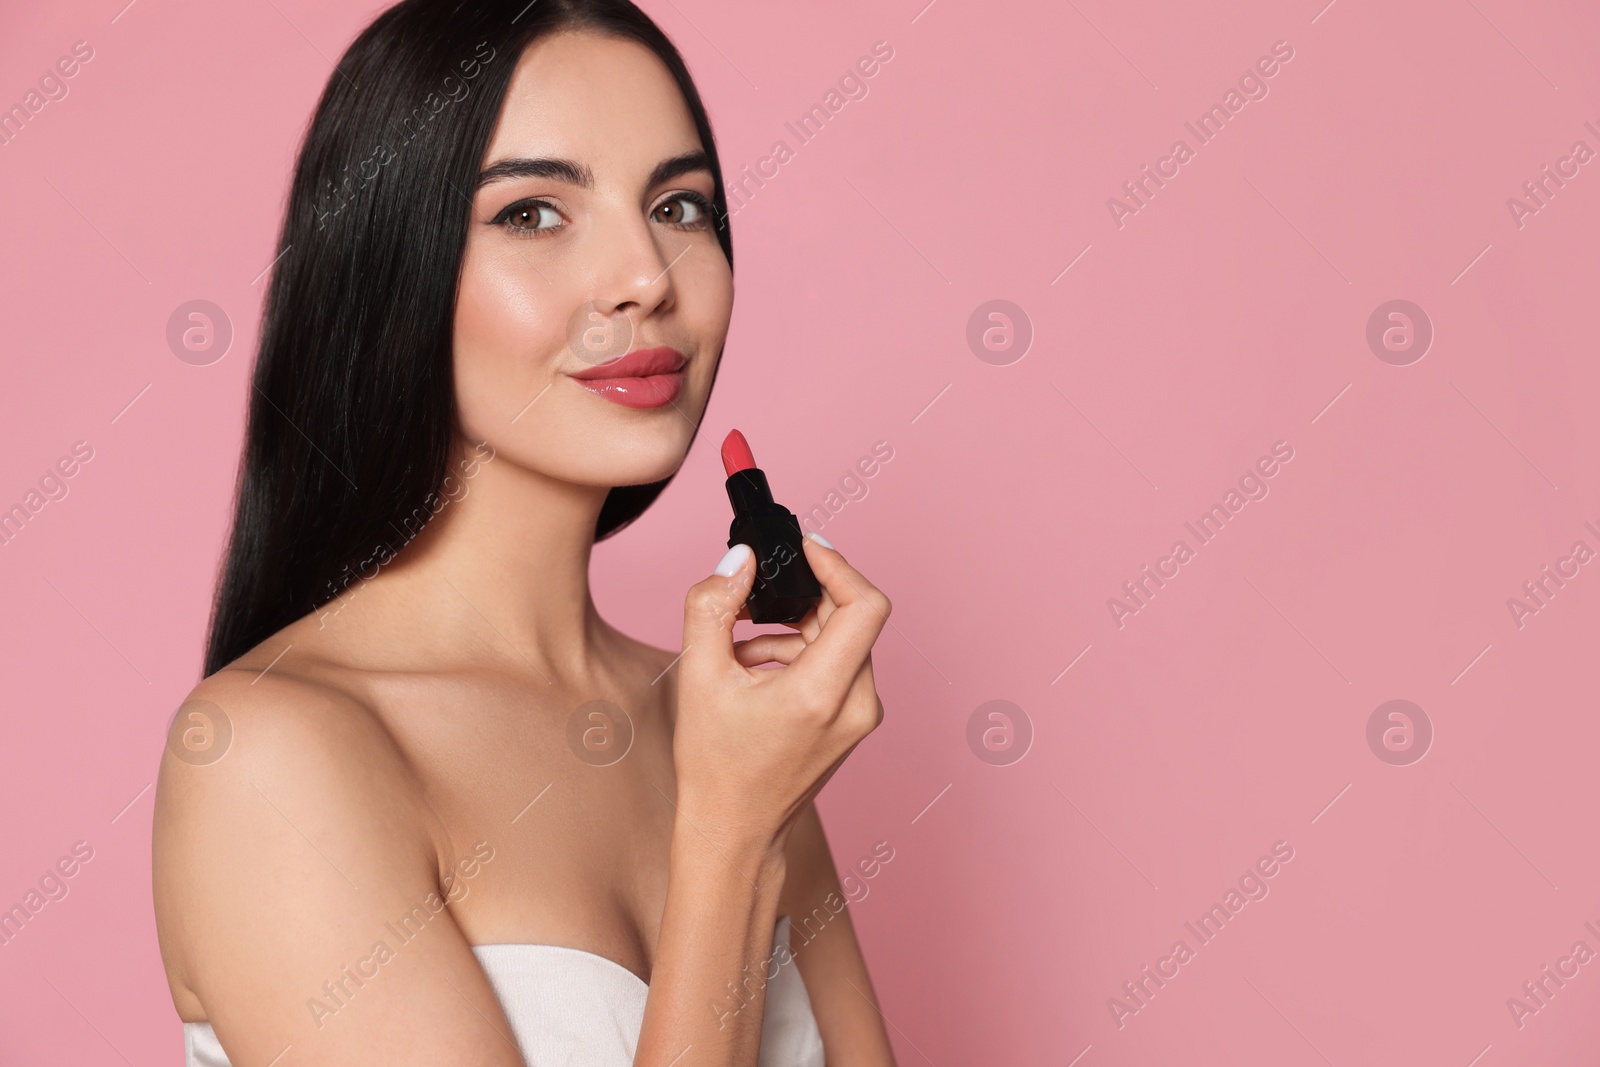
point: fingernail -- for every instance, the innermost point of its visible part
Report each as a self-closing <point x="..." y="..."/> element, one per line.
<point x="819" y="539"/>
<point x="733" y="561"/>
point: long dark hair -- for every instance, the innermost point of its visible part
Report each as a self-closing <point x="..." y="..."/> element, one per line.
<point x="352" y="413"/>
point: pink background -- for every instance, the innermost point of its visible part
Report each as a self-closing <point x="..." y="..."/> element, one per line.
<point x="1223" y="317"/>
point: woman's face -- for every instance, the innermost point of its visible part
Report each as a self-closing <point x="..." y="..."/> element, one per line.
<point x="582" y="247"/>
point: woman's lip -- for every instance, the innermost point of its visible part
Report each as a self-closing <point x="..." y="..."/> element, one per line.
<point x="642" y="363"/>
<point x="651" y="391"/>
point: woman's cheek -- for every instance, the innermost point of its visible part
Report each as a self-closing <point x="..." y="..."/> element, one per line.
<point x="507" y="342"/>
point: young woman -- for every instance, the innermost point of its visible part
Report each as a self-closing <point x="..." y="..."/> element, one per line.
<point x="427" y="806"/>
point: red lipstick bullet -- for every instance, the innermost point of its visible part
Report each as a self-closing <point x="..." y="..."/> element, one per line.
<point x="785" y="587"/>
<point x="736" y="455"/>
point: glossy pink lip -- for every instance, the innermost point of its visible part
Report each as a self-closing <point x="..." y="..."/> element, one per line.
<point x="647" y="378"/>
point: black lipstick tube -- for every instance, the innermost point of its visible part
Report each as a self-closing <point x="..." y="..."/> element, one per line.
<point x="785" y="587"/>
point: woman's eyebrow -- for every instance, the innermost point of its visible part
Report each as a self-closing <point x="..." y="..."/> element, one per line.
<point x="579" y="174"/>
<point x="561" y="170"/>
<point x="687" y="163"/>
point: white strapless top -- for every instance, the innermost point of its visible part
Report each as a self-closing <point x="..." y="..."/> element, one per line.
<point x="568" y="1006"/>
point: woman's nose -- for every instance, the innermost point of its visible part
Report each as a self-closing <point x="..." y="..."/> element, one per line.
<point x="632" y="271"/>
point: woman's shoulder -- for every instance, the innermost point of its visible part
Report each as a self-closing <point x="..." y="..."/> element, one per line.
<point x="271" y="702"/>
<point x="276" y="785"/>
<point x="274" y="740"/>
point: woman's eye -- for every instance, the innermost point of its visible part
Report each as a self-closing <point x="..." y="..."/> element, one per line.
<point x="687" y="210"/>
<point x="530" y="216"/>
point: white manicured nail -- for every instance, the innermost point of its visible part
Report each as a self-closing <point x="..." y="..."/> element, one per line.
<point x="819" y="539"/>
<point x="733" y="561"/>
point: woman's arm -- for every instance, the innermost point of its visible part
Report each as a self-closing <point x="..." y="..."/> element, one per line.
<point x="751" y="749"/>
<point x="715" y="926"/>
<point x="835" y="973"/>
<point x="297" y="892"/>
<point x="722" y="904"/>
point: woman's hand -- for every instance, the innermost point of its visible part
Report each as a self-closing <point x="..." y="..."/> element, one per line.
<point x="753" y="747"/>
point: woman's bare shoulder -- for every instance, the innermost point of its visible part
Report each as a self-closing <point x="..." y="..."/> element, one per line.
<point x="269" y="727"/>
<point x="268" y="777"/>
<point x="287" y="717"/>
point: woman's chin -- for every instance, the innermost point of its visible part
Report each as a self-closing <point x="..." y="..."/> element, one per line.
<point x="645" y="474"/>
<point x="618" y="470"/>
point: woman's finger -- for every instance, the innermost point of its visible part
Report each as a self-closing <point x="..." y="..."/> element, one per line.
<point x="768" y="648"/>
<point x="811" y="625"/>
<point x="712" y="605"/>
<point x="845" y="638"/>
<point x="826" y="604"/>
<point x="862" y="705"/>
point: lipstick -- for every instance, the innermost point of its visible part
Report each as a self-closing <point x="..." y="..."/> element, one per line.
<point x="785" y="588"/>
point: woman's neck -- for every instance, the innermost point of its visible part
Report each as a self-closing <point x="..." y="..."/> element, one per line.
<point x="500" y="572"/>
